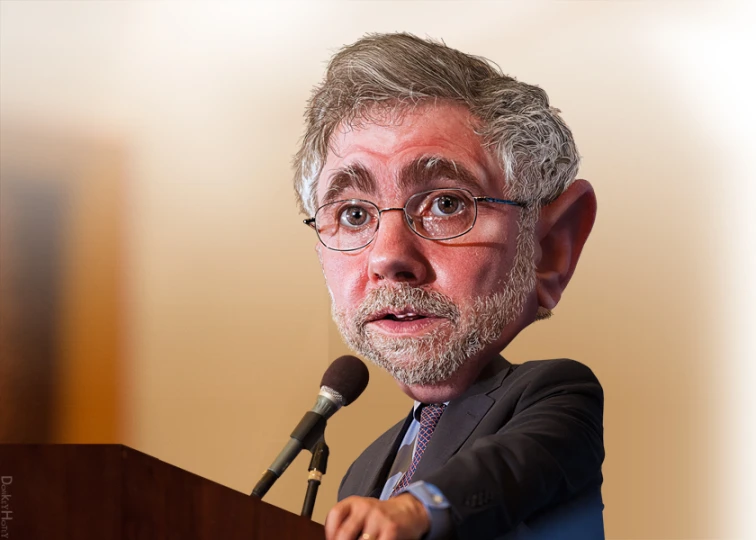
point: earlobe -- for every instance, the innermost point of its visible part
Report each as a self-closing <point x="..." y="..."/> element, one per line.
<point x="562" y="230"/>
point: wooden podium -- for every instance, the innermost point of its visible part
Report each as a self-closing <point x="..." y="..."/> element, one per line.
<point x="104" y="492"/>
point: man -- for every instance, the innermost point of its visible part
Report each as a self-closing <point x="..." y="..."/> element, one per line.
<point x="444" y="197"/>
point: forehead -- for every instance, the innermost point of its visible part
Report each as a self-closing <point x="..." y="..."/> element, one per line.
<point x="384" y="149"/>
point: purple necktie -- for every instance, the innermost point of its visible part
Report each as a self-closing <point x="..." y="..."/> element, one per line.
<point x="429" y="416"/>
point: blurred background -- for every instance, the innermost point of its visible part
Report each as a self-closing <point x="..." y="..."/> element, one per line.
<point x="158" y="289"/>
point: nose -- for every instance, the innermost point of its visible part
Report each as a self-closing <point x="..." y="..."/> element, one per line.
<point x="395" y="253"/>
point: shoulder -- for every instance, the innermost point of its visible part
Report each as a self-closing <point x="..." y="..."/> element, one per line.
<point x="555" y="368"/>
<point x="542" y="383"/>
<point x="558" y="375"/>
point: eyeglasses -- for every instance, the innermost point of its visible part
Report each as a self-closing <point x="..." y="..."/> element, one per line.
<point x="438" y="214"/>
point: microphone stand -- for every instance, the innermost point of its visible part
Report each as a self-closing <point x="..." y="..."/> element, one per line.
<point x="317" y="469"/>
<point x="306" y="435"/>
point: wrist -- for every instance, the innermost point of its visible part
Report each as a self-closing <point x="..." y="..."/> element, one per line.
<point x="431" y="503"/>
<point x="419" y="510"/>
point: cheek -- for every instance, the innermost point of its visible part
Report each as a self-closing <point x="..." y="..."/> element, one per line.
<point x="487" y="265"/>
<point x="344" y="277"/>
<point x="474" y="271"/>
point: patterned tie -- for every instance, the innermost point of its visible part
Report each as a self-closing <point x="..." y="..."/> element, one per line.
<point x="429" y="417"/>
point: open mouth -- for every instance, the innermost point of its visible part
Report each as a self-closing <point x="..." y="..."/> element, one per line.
<point x="403" y="322"/>
<point x="399" y="315"/>
<point x="405" y="317"/>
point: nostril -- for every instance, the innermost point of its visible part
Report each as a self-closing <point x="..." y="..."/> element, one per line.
<point x="398" y="276"/>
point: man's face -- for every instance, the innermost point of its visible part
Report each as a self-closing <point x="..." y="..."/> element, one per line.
<point x="422" y="308"/>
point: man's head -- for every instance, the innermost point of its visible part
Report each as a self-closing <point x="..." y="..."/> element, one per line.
<point x="397" y="116"/>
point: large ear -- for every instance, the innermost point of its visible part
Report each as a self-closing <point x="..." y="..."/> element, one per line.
<point x="561" y="232"/>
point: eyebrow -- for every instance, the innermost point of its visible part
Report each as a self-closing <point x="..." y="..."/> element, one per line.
<point x="425" y="170"/>
<point x="352" y="176"/>
<point x="417" y="174"/>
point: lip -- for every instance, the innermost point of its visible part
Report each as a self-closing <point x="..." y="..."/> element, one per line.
<point x="404" y="328"/>
<point x="404" y="312"/>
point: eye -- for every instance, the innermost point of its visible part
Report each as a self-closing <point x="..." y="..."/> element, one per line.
<point x="354" y="216"/>
<point x="447" y="205"/>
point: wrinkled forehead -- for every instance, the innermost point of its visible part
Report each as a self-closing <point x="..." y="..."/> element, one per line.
<point x="398" y="154"/>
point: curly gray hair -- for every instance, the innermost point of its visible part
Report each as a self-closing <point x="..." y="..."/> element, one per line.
<point x="534" y="146"/>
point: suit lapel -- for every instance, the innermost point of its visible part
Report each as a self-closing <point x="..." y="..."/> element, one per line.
<point x="381" y="459"/>
<point x="461" y="417"/>
<point x="455" y="426"/>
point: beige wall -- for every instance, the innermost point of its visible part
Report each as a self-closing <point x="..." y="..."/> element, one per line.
<point x="227" y="326"/>
<point x="76" y="381"/>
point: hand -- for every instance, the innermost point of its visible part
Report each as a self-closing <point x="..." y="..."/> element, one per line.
<point x="399" y="518"/>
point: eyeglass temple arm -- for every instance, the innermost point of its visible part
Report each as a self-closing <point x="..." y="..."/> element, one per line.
<point x="310" y="222"/>
<point x="501" y="201"/>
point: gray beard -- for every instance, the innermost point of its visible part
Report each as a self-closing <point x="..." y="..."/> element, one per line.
<point x="436" y="356"/>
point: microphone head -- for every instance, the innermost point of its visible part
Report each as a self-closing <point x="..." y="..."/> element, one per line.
<point x="347" y="376"/>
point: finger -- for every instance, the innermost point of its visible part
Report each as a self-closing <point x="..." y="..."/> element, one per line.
<point x="378" y="525"/>
<point x="351" y="528"/>
<point x="371" y="528"/>
<point x="387" y="531"/>
<point x="336" y="517"/>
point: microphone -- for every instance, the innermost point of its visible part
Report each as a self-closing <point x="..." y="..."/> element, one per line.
<point x="342" y="383"/>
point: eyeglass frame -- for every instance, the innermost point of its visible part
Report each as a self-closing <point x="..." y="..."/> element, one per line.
<point x="310" y="222"/>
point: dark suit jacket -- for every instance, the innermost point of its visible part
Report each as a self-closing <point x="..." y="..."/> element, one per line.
<point x="518" y="455"/>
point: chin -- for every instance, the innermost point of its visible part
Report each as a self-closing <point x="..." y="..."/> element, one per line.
<point x="416" y="364"/>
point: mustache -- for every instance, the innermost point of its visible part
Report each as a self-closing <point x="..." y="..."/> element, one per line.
<point x="405" y="297"/>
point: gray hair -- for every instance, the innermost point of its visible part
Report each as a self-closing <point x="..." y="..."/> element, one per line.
<point x="534" y="146"/>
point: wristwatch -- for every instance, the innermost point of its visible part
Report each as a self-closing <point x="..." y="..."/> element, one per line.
<point x="436" y="505"/>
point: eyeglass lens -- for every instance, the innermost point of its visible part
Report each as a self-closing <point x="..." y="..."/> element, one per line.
<point x="437" y="215"/>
